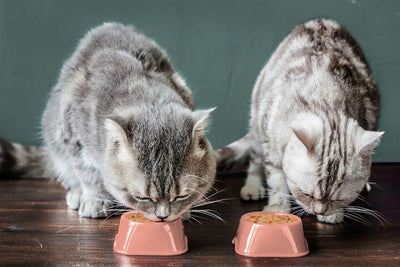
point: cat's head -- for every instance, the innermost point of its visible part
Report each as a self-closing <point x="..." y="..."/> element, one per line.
<point x="159" y="161"/>
<point x="327" y="162"/>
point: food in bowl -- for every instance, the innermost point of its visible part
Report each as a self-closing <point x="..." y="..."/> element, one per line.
<point x="270" y="219"/>
<point x="138" y="217"/>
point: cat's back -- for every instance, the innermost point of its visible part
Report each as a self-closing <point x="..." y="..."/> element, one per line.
<point x="113" y="36"/>
<point x="316" y="43"/>
<point x="318" y="61"/>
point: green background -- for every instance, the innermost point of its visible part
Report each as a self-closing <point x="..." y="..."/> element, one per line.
<point x="219" y="47"/>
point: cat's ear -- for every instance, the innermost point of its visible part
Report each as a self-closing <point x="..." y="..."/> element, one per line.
<point x="367" y="141"/>
<point x="114" y="130"/>
<point x="116" y="139"/>
<point x="201" y="118"/>
<point x="307" y="132"/>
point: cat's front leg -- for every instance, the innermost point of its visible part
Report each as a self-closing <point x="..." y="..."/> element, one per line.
<point x="69" y="181"/>
<point x="73" y="197"/>
<point x="334" y="218"/>
<point x="94" y="201"/>
<point x="278" y="190"/>
<point x="253" y="188"/>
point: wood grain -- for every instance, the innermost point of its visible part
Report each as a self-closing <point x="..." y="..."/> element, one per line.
<point x="36" y="228"/>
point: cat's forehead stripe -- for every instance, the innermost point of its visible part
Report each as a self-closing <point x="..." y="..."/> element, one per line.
<point x="162" y="187"/>
<point x="344" y="136"/>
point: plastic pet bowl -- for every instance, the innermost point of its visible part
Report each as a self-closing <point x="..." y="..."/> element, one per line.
<point x="150" y="238"/>
<point x="270" y="240"/>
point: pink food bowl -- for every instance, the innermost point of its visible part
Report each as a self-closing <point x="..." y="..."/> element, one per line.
<point x="150" y="238"/>
<point x="267" y="239"/>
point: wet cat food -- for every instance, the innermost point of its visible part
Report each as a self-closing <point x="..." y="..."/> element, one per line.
<point x="137" y="217"/>
<point x="270" y="219"/>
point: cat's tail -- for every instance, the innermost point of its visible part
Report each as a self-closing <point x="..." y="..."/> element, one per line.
<point x="234" y="157"/>
<point x="23" y="161"/>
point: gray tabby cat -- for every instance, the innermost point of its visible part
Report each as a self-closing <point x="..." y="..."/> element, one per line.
<point x="120" y="125"/>
<point x="314" y="109"/>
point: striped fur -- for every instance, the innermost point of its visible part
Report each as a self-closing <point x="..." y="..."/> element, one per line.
<point x="120" y="129"/>
<point x="313" y="116"/>
<point x="22" y="161"/>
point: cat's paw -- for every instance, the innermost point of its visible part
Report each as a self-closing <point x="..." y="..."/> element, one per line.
<point x="93" y="208"/>
<point x="73" y="198"/>
<point x="334" y="218"/>
<point x="251" y="192"/>
<point x="281" y="208"/>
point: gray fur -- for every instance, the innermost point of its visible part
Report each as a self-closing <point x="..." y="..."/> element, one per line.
<point x="119" y="125"/>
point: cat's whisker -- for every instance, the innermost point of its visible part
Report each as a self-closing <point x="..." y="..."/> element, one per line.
<point x="292" y="201"/>
<point x="124" y="210"/>
<point x="116" y="204"/>
<point x="362" y="210"/>
<point x="194" y="217"/>
<point x="341" y="224"/>
<point x="204" y="203"/>
<point x="288" y="197"/>
<point x="357" y="218"/>
<point x="218" y="191"/>
<point x="296" y="210"/>
<point x="198" y="177"/>
<point x="376" y="185"/>
<point x="303" y="213"/>
<point x="137" y="205"/>
<point x="363" y="199"/>
<point x="194" y="190"/>
<point x="296" y="206"/>
<point x="209" y="213"/>
<point x="195" y="176"/>
<point x="206" y="198"/>
<point x="117" y="212"/>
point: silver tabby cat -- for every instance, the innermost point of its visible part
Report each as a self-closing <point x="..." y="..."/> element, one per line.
<point x="120" y="125"/>
<point x="314" y="109"/>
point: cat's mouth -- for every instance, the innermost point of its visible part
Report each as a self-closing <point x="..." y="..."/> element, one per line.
<point x="154" y="218"/>
<point x="323" y="211"/>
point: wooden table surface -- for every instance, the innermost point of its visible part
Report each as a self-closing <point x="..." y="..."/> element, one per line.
<point x="36" y="228"/>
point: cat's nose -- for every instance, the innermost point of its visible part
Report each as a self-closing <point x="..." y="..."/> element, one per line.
<point x="162" y="218"/>
<point x="162" y="211"/>
<point x="319" y="208"/>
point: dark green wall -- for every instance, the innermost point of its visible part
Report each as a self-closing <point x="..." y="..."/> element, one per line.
<point x="218" y="46"/>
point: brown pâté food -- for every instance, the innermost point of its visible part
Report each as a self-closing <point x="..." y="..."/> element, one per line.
<point x="139" y="218"/>
<point x="270" y="219"/>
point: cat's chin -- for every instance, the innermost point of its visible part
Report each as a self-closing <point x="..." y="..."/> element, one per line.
<point x="333" y="218"/>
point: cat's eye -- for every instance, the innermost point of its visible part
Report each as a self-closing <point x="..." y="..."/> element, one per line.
<point x="180" y="198"/>
<point x="308" y="195"/>
<point x="143" y="199"/>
